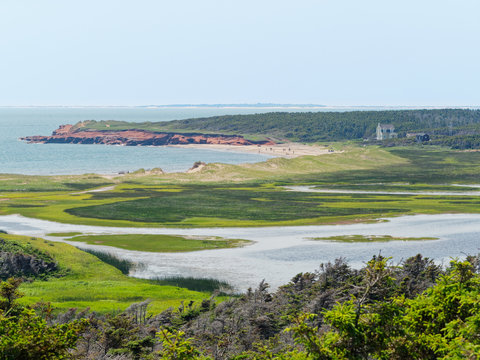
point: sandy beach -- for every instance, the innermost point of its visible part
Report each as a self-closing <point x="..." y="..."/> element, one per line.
<point x="287" y="150"/>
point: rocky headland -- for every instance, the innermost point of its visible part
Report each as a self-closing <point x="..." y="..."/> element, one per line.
<point x="68" y="134"/>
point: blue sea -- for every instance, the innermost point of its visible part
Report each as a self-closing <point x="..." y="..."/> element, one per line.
<point x="18" y="157"/>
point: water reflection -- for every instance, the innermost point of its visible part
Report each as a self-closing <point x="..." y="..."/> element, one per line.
<point x="281" y="252"/>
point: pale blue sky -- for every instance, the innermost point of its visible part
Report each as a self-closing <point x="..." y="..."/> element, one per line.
<point x="334" y="52"/>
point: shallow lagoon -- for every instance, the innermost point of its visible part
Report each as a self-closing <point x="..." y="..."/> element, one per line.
<point x="281" y="252"/>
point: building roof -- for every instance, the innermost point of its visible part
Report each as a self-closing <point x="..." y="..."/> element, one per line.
<point x="386" y="126"/>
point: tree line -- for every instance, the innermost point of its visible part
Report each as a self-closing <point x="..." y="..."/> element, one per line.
<point x="335" y="126"/>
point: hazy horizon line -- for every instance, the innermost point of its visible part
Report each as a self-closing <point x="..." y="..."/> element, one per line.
<point x="246" y="105"/>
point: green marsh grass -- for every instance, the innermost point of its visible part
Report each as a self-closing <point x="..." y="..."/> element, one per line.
<point x="204" y="206"/>
<point x="371" y="238"/>
<point x="252" y="195"/>
<point x="37" y="183"/>
<point x="195" y="284"/>
<point x="123" y="265"/>
<point x="160" y="243"/>
<point x="91" y="283"/>
<point x="64" y="234"/>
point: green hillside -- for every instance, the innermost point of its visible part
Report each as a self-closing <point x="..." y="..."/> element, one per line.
<point x="316" y="126"/>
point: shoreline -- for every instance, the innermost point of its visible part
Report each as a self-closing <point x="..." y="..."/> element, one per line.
<point x="285" y="150"/>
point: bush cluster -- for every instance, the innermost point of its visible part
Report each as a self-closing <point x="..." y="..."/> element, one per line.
<point x="412" y="310"/>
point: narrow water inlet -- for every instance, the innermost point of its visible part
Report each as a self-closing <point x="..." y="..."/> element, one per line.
<point x="279" y="253"/>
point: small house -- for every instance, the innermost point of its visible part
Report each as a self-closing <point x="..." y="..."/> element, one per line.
<point x="386" y="131"/>
<point x="419" y="137"/>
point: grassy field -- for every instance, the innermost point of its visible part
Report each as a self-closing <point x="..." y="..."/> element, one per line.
<point x="422" y="166"/>
<point x="92" y="283"/>
<point x="371" y="238"/>
<point x="253" y="194"/>
<point x="347" y="157"/>
<point x="159" y="243"/>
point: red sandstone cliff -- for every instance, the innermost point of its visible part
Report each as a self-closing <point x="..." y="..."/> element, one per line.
<point x="66" y="135"/>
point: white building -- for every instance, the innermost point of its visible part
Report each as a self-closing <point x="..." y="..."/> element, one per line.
<point x="386" y="131"/>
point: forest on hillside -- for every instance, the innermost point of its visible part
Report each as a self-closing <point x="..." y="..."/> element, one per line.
<point x="332" y="126"/>
<point x="445" y="126"/>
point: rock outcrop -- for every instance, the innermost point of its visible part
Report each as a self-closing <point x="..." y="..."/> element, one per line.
<point x="16" y="261"/>
<point x="23" y="265"/>
<point x="197" y="166"/>
<point x="67" y="134"/>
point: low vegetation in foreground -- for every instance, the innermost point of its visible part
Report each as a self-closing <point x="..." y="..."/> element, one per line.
<point x="412" y="310"/>
<point x="89" y="282"/>
<point x="159" y="243"/>
<point x="25" y="261"/>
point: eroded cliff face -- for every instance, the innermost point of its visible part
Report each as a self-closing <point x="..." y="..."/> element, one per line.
<point x="23" y="265"/>
<point x="22" y="261"/>
<point x="66" y="134"/>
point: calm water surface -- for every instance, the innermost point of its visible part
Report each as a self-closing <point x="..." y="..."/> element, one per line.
<point x="18" y="157"/>
<point x="279" y="253"/>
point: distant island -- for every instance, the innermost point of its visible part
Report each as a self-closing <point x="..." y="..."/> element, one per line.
<point x="259" y="105"/>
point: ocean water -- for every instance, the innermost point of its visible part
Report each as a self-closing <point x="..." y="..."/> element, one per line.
<point x="18" y="157"/>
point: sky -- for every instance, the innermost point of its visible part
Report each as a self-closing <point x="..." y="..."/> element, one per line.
<point x="332" y="52"/>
